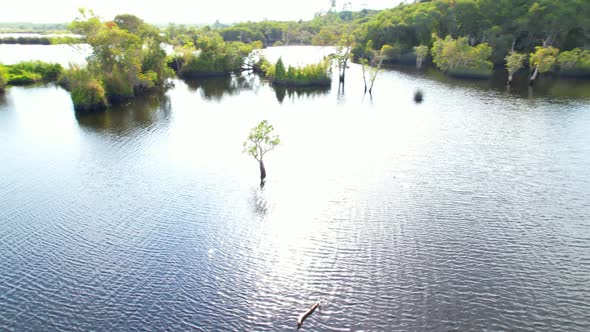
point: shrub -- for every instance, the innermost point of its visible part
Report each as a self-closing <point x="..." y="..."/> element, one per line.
<point x="3" y="78"/>
<point x="87" y="92"/>
<point x="24" y="77"/>
<point x="32" y="72"/>
<point x="88" y="95"/>
<point x="118" y="86"/>
<point x="575" y="62"/>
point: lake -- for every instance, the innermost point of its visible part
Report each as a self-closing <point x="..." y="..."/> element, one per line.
<point x="469" y="211"/>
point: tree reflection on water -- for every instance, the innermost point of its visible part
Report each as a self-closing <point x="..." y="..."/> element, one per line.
<point x="295" y="93"/>
<point x="141" y="112"/>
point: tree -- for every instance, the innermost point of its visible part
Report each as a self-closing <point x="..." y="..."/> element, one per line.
<point x="391" y="52"/>
<point x="514" y="62"/>
<point x="280" y="72"/>
<point x="259" y="142"/>
<point x="127" y="56"/>
<point x="543" y="60"/>
<point x="343" y="55"/>
<point x="371" y="69"/>
<point x="576" y="62"/>
<point x="375" y="68"/>
<point x="421" y="54"/>
<point x="455" y="56"/>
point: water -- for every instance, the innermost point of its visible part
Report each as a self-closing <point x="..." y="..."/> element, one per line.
<point x="470" y="211"/>
<point x="63" y="54"/>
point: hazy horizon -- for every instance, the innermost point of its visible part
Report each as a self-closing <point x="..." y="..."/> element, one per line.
<point x="176" y="11"/>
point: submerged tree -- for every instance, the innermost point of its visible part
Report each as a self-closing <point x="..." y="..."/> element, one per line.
<point x="514" y="62"/>
<point x="371" y="69"/>
<point x="259" y="142"/>
<point x="421" y="54"/>
<point x="343" y="55"/>
<point x="574" y="62"/>
<point x="543" y="60"/>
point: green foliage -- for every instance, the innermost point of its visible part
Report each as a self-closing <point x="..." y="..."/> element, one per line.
<point x="260" y="140"/>
<point x="214" y="56"/>
<point x="421" y="52"/>
<point x="500" y="23"/>
<point x="118" y="85"/>
<point x="574" y="62"/>
<point x="515" y="62"/>
<point x="3" y="78"/>
<point x="87" y="92"/>
<point x="391" y="53"/>
<point x="544" y="58"/>
<point x="280" y="74"/>
<point x="324" y="29"/>
<point x="89" y="96"/>
<point x="127" y="56"/>
<point x="325" y="37"/>
<point x="455" y="56"/>
<point x="32" y="72"/>
<point x="371" y="68"/>
<point x="310" y="75"/>
<point x="24" y="77"/>
<point x="66" y="40"/>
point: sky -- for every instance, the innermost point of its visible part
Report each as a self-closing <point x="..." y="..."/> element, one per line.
<point x="178" y="11"/>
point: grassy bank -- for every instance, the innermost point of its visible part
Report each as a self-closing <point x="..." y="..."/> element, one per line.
<point x="30" y="72"/>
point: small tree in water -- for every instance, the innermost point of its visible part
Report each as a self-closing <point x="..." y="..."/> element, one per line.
<point x="514" y="62"/>
<point x="259" y="142"/>
<point x="421" y="54"/>
<point x="542" y="60"/>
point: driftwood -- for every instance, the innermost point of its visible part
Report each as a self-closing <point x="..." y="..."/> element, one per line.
<point x="304" y="316"/>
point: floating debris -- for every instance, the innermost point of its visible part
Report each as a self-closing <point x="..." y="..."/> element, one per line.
<point x="304" y="316"/>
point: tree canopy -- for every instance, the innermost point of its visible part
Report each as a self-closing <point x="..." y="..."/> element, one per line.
<point x="261" y="140"/>
<point x="127" y="58"/>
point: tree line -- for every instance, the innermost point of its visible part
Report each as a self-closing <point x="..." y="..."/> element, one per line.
<point x="465" y="38"/>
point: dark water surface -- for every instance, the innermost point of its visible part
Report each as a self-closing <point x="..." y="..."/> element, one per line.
<point x="470" y="211"/>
